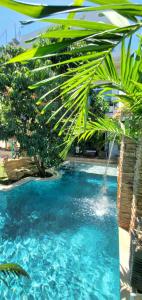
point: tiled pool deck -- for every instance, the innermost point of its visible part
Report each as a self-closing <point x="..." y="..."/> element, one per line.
<point x="92" y="160"/>
<point x="124" y="248"/>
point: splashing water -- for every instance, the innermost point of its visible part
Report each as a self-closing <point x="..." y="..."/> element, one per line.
<point x="104" y="188"/>
<point x="100" y="207"/>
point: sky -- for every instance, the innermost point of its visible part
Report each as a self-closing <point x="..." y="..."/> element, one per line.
<point x="10" y="26"/>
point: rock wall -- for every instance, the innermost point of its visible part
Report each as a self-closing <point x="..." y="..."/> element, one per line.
<point x="125" y="181"/>
<point x="136" y="211"/>
<point x="135" y="261"/>
<point x="130" y="205"/>
<point x="19" y="168"/>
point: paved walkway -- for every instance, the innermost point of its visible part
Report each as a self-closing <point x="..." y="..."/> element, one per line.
<point x="124" y="250"/>
<point x="95" y="166"/>
<point x="94" y="160"/>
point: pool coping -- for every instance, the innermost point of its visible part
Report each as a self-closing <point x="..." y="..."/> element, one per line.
<point x="92" y="160"/>
<point x="97" y="163"/>
<point x="25" y="180"/>
<point x="101" y="162"/>
<point x="124" y="254"/>
<point x="20" y="182"/>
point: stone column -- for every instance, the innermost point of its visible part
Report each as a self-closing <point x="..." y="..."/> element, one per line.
<point x="125" y="181"/>
<point x="136" y="210"/>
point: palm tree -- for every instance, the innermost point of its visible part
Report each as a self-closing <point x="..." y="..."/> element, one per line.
<point x="126" y="87"/>
<point x="95" y="42"/>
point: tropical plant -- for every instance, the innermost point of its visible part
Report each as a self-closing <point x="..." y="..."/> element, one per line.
<point x="19" y="115"/>
<point x="125" y="84"/>
<point x="95" y="62"/>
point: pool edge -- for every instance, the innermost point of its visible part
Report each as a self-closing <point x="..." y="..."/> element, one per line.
<point x="124" y="252"/>
<point x="26" y="180"/>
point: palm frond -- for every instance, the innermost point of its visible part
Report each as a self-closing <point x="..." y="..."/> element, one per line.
<point x="102" y="125"/>
<point x="14" y="269"/>
<point x="36" y="10"/>
<point x="89" y="70"/>
<point x="94" y="73"/>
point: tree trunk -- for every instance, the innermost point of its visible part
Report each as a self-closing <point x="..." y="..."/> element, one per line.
<point x="40" y="166"/>
<point x="125" y="181"/>
<point x="137" y="187"/>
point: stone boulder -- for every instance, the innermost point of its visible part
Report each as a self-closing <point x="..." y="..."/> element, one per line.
<point x="19" y="168"/>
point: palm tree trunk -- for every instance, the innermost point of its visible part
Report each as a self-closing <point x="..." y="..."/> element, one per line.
<point x="125" y="181"/>
<point x="137" y="187"/>
<point x="40" y="166"/>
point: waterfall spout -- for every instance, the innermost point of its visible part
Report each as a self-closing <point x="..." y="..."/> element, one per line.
<point x="104" y="188"/>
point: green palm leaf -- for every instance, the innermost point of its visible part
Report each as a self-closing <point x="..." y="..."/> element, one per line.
<point x="138" y="85"/>
<point x="78" y="23"/>
<point x="103" y="73"/>
<point x="102" y="125"/>
<point x="95" y="40"/>
<point x="90" y="73"/>
<point x="15" y="269"/>
<point x="109" y="78"/>
<point x="39" y="52"/>
<point x="35" y="10"/>
<point x="38" y="11"/>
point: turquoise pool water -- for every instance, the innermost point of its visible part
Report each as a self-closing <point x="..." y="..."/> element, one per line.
<point x="64" y="233"/>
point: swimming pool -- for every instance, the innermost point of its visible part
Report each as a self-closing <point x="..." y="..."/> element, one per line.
<point x="64" y="232"/>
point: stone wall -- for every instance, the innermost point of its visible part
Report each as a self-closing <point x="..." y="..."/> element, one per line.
<point x="136" y="211"/>
<point x="135" y="261"/>
<point x="125" y="181"/>
<point x="130" y="205"/>
<point x="19" y="168"/>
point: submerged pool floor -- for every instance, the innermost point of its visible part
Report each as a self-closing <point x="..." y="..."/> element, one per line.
<point x="64" y="233"/>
